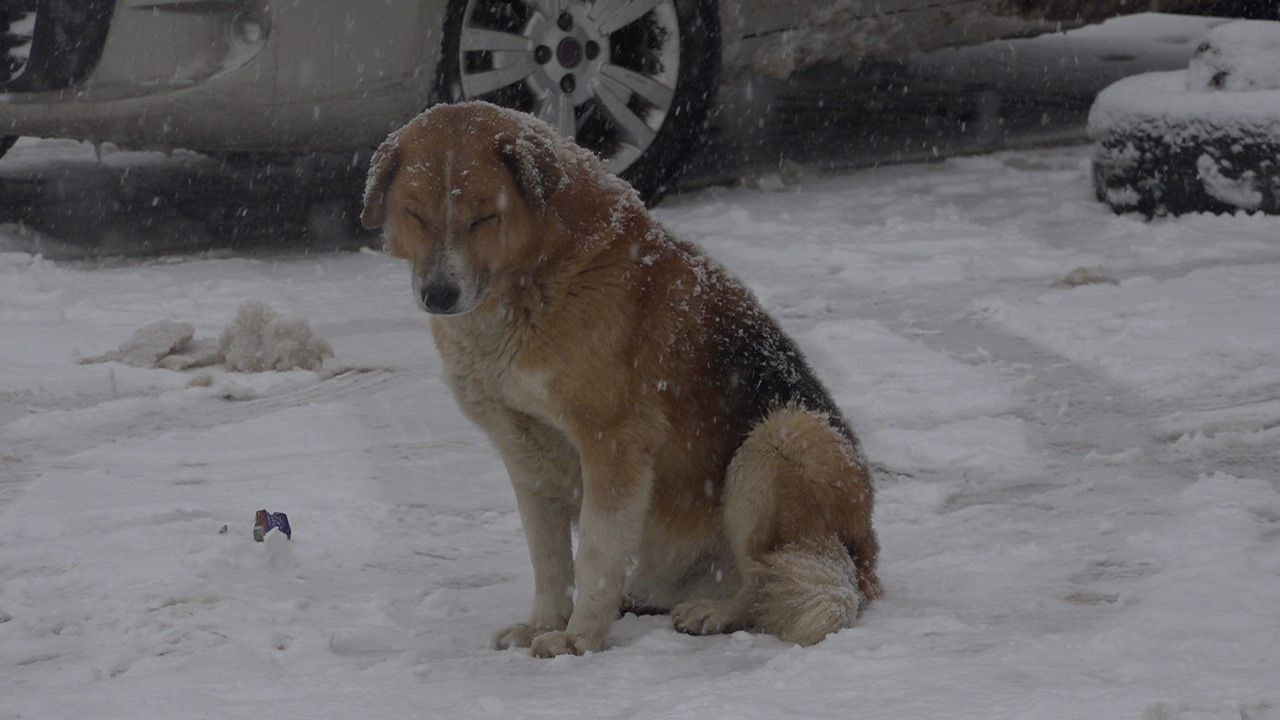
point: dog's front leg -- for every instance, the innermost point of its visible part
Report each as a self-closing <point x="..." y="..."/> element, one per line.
<point x="542" y="477"/>
<point x="546" y="528"/>
<point x="616" y="480"/>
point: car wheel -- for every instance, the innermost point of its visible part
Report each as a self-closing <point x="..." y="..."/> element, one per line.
<point x="1161" y="150"/>
<point x="631" y="80"/>
<point x="6" y="142"/>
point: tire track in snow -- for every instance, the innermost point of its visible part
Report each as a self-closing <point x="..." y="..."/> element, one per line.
<point x="101" y="420"/>
<point x="1073" y="412"/>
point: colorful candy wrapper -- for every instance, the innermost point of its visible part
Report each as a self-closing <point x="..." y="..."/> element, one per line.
<point x="264" y="522"/>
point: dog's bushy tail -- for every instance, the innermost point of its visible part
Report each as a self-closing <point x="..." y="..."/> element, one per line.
<point x="806" y="590"/>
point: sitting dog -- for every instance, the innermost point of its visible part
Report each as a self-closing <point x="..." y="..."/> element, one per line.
<point x="632" y="387"/>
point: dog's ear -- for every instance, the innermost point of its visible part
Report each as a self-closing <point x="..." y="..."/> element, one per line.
<point x="534" y="161"/>
<point x="382" y="169"/>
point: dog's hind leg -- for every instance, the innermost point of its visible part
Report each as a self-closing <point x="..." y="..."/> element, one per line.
<point x="748" y="517"/>
<point x="797" y="516"/>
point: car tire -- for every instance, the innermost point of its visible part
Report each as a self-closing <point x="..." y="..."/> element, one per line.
<point x="1161" y="150"/>
<point x="6" y="142"/>
<point x="672" y="106"/>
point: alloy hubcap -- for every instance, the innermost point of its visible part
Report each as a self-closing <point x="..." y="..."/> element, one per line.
<point x="569" y="52"/>
<point x="600" y="71"/>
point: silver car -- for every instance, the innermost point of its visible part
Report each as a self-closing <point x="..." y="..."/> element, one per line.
<point x="631" y="79"/>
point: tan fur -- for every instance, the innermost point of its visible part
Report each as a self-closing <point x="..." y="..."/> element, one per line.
<point x="805" y="591"/>
<point x="589" y="356"/>
<point x="795" y="494"/>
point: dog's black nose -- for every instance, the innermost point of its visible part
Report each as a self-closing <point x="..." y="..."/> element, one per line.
<point x="440" y="297"/>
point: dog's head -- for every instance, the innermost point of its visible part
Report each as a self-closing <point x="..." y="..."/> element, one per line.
<point x="461" y="192"/>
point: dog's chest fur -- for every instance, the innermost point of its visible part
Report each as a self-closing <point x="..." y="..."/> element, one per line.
<point x="481" y="366"/>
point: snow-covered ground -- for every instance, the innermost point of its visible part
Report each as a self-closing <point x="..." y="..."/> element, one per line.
<point x="1079" y="495"/>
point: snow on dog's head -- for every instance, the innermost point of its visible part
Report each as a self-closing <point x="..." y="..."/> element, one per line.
<point x="466" y="193"/>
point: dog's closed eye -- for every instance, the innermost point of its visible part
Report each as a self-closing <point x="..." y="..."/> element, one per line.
<point x="480" y="221"/>
<point x="422" y="223"/>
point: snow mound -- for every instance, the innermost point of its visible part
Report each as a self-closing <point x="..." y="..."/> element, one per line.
<point x="1086" y="276"/>
<point x="1242" y="57"/>
<point x="1160" y="105"/>
<point x="258" y="340"/>
<point x="151" y="344"/>
<point x="1175" y="142"/>
<point x="1238" y="56"/>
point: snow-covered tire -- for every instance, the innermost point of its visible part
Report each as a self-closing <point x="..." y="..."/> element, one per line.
<point x="1193" y="158"/>
<point x="1206" y="139"/>
<point x="670" y="95"/>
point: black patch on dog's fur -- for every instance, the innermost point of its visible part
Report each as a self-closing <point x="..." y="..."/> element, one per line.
<point x="755" y="367"/>
<point x="763" y="370"/>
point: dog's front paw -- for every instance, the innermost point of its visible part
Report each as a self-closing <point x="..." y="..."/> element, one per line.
<point x="560" y="642"/>
<point x="519" y="635"/>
